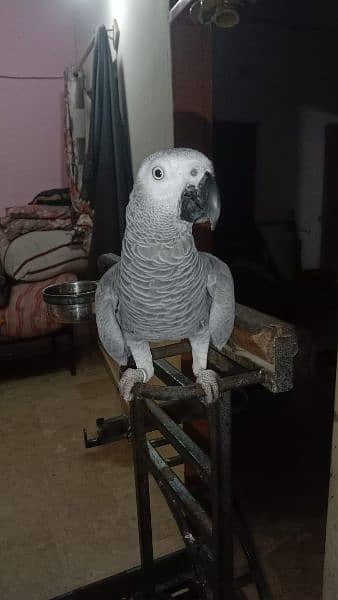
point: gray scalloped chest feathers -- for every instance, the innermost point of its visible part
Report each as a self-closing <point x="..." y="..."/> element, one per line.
<point x="163" y="288"/>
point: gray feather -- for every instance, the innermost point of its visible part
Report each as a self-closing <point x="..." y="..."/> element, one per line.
<point x="163" y="281"/>
<point x="163" y="288"/>
<point x="221" y="289"/>
<point x="106" y="306"/>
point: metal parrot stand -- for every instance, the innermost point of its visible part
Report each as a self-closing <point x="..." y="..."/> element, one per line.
<point x="261" y="352"/>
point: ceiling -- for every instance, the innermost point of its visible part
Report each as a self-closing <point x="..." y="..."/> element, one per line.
<point x="312" y="14"/>
<point x="296" y="14"/>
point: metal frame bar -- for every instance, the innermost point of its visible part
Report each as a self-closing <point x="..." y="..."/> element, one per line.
<point x="142" y="491"/>
<point x="208" y="537"/>
<point x="209" y="541"/>
<point x="219" y="419"/>
<point x="192" y="393"/>
<point x="178" y="400"/>
<point x="184" y="445"/>
<point x="167" y="479"/>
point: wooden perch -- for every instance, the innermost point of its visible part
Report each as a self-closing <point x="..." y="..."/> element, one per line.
<point x="264" y="341"/>
<point x="257" y="341"/>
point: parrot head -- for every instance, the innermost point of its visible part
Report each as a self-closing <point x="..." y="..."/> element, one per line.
<point x="178" y="187"/>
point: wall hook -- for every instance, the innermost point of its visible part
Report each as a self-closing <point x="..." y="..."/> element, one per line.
<point x="116" y="34"/>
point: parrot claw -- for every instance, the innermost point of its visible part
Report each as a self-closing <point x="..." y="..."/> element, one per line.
<point x="208" y="380"/>
<point x="129" y="378"/>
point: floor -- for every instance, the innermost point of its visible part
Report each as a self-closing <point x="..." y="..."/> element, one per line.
<point x="67" y="514"/>
<point x="68" y="517"/>
<point x="281" y="449"/>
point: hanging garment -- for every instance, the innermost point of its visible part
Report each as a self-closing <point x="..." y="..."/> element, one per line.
<point x="75" y="147"/>
<point x="75" y="129"/>
<point x="107" y="179"/>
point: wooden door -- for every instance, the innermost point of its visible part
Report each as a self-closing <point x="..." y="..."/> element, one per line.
<point x="192" y="96"/>
<point x="192" y="84"/>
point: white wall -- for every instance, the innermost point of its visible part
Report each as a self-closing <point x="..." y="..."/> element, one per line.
<point x="311" y="183"/>
<point x="144" y="64"/>
<point x="269" y="75"/>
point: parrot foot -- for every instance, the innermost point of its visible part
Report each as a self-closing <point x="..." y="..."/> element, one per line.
<point x="128" y="380"/>
<point x="208" y="380"/>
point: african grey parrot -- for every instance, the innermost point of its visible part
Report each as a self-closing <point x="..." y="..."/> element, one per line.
<point x="162" y="288"/>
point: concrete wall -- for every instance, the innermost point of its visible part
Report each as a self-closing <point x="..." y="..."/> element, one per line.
<point x="269" y="75"/>
<point x="37" y="38"/>
<point x="144" y="64"/>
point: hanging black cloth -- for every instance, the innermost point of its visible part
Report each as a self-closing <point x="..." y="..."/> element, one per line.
<point x="107" y="178"/>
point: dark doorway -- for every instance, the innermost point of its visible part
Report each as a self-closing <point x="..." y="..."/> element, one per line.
<point x="234" y="155"/>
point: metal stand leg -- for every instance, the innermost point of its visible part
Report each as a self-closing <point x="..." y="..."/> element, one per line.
<point x="219" y="417"/>
<point x="204" y="571"/>
<point x="142" y="490"/>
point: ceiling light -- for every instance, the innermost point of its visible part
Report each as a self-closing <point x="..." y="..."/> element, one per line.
<point x="223" y="13"/>
<point x="227" y="15"/>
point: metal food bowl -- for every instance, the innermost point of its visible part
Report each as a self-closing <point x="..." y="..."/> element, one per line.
<point x="70" y="302"/>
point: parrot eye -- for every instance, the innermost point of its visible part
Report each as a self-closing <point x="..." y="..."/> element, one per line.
<point x="193" y="172"/>
<point x="158" y="173"/>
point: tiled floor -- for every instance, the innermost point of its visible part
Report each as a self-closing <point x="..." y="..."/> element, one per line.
<point x="68" y="517"/>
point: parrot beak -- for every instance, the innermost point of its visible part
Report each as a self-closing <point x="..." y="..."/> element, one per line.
<point x="201" y="203"/>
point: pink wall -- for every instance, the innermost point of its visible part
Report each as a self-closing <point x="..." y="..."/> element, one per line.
<point x="36" y="38"/>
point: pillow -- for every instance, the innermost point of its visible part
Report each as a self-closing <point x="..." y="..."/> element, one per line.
<point x="19" y="227"/>
<point x="26" y="314"/>
<point x="32" y="211"/>
<point x="39" y="255"/>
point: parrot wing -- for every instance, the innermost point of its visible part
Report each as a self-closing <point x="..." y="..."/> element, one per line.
<point x="221" y="289"/>
<point x="106" y="305"/>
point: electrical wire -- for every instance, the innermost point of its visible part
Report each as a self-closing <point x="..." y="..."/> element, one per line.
<point x="31" y="77"/>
